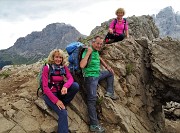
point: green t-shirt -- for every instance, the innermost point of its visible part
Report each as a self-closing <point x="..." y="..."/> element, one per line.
<point x="93" y="67"/>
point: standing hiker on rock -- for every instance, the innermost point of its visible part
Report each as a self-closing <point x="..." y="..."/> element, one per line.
<point x="58" y="92"/>
<point x="92" y="75"/>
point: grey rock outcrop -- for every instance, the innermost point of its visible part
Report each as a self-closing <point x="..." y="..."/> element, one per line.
<point x="142" y="69"/>
<point x="139" y="108"/>
<point x="172" y="110"/>
<point x="168" y="22"/>
<point x="165" y="61"/>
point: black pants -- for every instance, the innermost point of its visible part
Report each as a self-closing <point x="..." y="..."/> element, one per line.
<point x="113" y="38"/>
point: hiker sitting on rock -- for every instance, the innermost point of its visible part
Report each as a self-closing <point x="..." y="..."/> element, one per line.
<point x="92" y="75"/>
<point x="118" y="28"/>
<point x="58" y="93"/>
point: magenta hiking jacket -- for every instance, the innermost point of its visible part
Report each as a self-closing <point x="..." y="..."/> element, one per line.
<point x="55" y="79"/>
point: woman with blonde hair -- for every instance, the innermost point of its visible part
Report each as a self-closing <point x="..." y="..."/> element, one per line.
<point x="58" y="92"/>
<point x="118" y="28"/>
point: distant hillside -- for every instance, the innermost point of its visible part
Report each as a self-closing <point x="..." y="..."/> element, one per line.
<point x="168" y="22"/>
<point x="37" y="45"/>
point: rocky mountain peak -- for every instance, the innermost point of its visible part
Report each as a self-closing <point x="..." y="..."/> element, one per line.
<point x="167" y="9"/>
<point x="168" y="22"/>
<point x="38" y="44"/>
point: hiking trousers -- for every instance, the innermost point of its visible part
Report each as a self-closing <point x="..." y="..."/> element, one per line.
<point x="63" y="120"/>
<point x="114" y="37"/>
<point x="91" y="87"/>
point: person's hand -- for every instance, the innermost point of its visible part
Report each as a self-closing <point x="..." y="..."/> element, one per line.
<point x="127" y="36"/>
<point x="60" y="105"/>
<point x="64" y="91"/>
<point x="110" y="69"/>
<point x="111" y="31"/>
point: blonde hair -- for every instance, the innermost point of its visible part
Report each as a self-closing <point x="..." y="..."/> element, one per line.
<point x="120" y="10"/>
<point x="50" y="59"/>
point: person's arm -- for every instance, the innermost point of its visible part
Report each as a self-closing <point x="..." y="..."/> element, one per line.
<point x="126" y="30"/>
<point x="127" y="33"/>
<point x="106" y="66"/>
<point x="84" y="61"/>
<point x="103" y="63"/>
<point x="69" y="81"/>
<point x="69" y="77"/>
<point x="46" y="89"/>
<point x="111" y="26"/>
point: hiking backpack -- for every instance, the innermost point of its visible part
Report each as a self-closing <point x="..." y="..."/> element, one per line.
<point x="75" y="51"/>
<point x="50" y="73"/>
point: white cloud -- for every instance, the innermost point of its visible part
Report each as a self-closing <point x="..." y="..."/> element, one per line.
<point x="21" y="17"/>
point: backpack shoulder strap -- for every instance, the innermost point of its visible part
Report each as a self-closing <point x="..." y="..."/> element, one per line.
<point x="124" y="20"/>
<point x="49" y="72"/>
<point x="81" y="53"/>
<point x="115" y="22"/>
<point x="89" y="60"/>
<point x="90" y="56"/>
<point x="124" y="24"/>
<point x="63" y="71"/>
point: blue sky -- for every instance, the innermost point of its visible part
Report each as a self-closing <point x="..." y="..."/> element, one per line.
<point x="21" y="17"/>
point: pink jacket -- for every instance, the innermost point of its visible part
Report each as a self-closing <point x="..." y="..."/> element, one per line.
<point x="55" y="79"/>
<point x="119" y="26"/>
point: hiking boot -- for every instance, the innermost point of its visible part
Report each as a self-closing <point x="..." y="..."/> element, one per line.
<point x="111" y="95"/>
<point x="96" y="128"/>
<point x="106" y="41"/>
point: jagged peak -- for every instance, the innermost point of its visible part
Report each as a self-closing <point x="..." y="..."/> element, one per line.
<point x="58" y="25"/>
<point x="168" y="9"/>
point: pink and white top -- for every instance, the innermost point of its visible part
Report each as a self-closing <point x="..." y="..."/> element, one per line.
<point x="119" y="27"/>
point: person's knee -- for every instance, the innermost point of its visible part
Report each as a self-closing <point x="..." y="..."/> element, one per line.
<point x="62" y="113"/>
<point x="110" y="74"/>
<point x="75" y="86"/>
<point x="92" y="98"/>
<point x="121" y="37"/>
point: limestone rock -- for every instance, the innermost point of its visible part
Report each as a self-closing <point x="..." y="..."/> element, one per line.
<point x="5" y="125"/>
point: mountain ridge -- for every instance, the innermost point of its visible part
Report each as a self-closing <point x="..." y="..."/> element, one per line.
<point x="168" y="22"/>
<point x="38" y="44"/>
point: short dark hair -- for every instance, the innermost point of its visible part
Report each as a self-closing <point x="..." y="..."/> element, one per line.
<point x="97" y="36"/>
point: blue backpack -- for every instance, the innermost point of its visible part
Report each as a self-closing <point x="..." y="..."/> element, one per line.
<point x="75" y="51"/>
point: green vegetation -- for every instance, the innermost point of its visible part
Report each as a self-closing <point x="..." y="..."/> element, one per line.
<point x="44" y="61"/>
<point x="129" y="68"/>
<point x="7" y="59"/>
<point x="5" y="74"/>
<point x="99" y="100"/>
